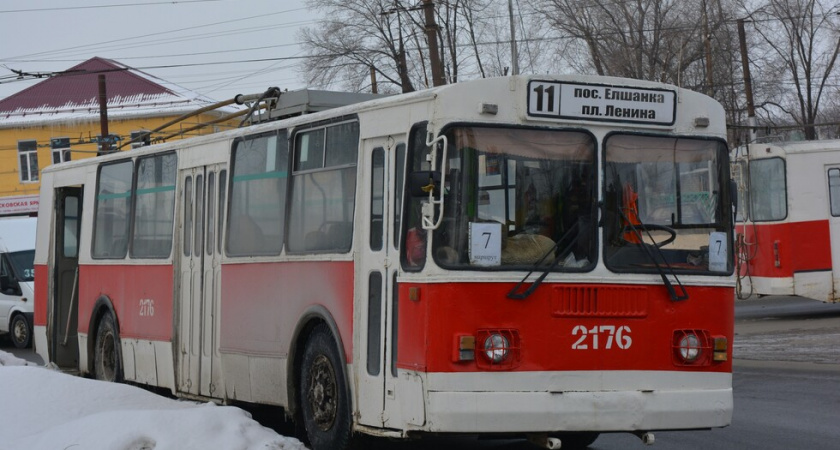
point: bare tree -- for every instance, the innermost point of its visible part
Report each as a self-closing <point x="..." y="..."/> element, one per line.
<point x="388" y="38"/>
<point x="801" y="40"/>
<point x="645" y="39"/>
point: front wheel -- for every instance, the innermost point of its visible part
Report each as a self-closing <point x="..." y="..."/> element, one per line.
<point x="21" y="331"/>
<point x="323" y="393"/>
<point x="107" y="356"/>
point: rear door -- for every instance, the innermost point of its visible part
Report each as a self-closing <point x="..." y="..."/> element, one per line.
<point x="199" y="281"/>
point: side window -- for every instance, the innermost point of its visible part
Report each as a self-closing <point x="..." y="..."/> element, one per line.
<point x="111" y="213"/>
<point x="28" y="156"/>
<point x="71" y="227"/>
<point x="220" y="212"/>
<point x="834" y="191"/>
<point x="413" y="254"/>
<point x="324" y="189"/>
<point x="377" y="194"/>
<point x="60" y="149"/>
<point x="154" y="211"/>
<point x="141" y="138"/>
<point x="257" y="204"/>
<point x="768" y="189"/>
<point x="399" y="178"/>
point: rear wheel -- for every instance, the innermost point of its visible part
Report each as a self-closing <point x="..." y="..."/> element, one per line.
<point x="323" y="393"/>
<point x="107" y="358"/>
<point x="21" y="331"/>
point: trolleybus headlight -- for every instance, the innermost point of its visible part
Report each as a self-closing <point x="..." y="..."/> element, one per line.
<point x="689" y="347"/>
<point x="496" y="348"/>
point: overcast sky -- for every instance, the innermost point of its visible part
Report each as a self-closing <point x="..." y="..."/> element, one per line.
<point x="218" y="48"/>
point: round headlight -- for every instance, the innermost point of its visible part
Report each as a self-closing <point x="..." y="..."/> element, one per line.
<point x="689" y="347"/>
<point x="496" y="347"/>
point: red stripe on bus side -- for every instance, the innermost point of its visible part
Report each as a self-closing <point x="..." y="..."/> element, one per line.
<point x="42" y="273"/>
<point x="429" y="326"/>
<point x="129" y="287"/>
<point x="263" y="302"/>
<point x="802" y="246"/>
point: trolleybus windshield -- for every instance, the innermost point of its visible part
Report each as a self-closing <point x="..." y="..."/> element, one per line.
<point x="512" y="195"/>
<point x="665" y="193"/>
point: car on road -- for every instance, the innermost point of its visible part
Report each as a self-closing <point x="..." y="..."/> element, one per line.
<point x="17" y="276"/>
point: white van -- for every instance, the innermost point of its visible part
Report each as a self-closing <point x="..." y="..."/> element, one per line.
<point x="17" y="276"/>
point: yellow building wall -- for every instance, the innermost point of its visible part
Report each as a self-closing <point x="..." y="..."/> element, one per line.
<point x="84" y="131"/>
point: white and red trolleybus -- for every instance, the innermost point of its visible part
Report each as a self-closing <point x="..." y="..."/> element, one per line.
<point x="542" y="256"/>
<point x="790" y="226"/>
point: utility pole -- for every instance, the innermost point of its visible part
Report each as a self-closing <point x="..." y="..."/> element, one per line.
<point x="514" y="56"/>
<point x="104" y="141"/>
<point x="710" y="85"/>
<point x="742" y="38"/>
<point x="431" y="36"/>
<point x="373" y="88"/>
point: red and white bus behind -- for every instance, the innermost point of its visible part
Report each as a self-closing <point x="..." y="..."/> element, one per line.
<point x="790" y="224"/>
<point x="547" y="256"/>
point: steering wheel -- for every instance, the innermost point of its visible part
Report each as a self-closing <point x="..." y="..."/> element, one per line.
<point x="649" y="227"/>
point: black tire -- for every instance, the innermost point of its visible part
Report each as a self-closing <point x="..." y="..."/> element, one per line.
<point x="21" y="331"/>
<point x="576" y="440"/>
<point x="107" y="357"/>
<point x="323" y="394"/>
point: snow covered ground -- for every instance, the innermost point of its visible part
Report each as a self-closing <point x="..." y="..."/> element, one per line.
<point x="43" y="409"/>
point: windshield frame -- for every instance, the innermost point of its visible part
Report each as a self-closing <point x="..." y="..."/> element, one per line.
<point x="587" y="163"/>
<point x="724" y="222"/>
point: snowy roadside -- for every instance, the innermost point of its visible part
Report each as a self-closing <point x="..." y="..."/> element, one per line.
<point x="43" y="409"/>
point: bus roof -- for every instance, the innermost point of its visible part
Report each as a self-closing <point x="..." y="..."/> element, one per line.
<point x="694" y="109"/>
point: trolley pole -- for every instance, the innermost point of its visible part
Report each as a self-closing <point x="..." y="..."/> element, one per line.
<point x="431" y="36"/>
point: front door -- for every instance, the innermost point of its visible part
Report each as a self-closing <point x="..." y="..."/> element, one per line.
<point x="376" y="372"/>
<point x="199" y="281"/>
<point x="63" y="335"/>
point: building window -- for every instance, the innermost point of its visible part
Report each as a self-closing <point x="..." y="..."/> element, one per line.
<point x="28" y="155"/>
<point x="60" y="150"/>
<point x="140" y="138"/>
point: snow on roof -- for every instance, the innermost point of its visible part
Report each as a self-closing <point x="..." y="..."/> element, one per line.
<point x="73" y="95"/>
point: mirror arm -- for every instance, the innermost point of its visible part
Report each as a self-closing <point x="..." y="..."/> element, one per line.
<point x="428" y="210"/>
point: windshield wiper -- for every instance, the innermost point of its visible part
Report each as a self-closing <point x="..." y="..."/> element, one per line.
<point x="515" y="294"/>
<point x="647" y="249"/>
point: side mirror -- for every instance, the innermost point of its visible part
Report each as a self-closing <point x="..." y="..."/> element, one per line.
<point x="421" y="182"/>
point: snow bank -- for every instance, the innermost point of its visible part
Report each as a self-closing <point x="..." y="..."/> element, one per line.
<point x="45" y="409"/>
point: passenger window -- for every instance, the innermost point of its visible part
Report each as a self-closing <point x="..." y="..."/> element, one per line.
<point x="323" y="197"/>
<point x="834" y="191"/>
<point x="154" y="212"/>
<point x="377" y="192"/>
<point x="256" y="215"/>
<point x="111" y="213"/>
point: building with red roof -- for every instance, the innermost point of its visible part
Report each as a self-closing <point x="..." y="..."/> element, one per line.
<point x="58" y="120"/>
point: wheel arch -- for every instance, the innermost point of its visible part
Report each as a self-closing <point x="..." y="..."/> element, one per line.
<point x="311" y="318"/>
<point x="104" y="305"/>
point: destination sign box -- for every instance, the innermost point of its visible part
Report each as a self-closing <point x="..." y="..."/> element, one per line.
<point x="577" y="101"/>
